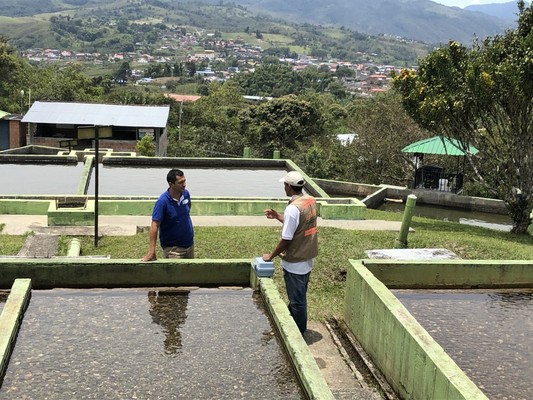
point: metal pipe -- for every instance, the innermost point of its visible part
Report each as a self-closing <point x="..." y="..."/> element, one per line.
<point x="401" y="241"/>
<point x="74" y="248"/>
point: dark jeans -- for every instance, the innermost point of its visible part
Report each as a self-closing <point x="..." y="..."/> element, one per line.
<point x="296" y="286"/>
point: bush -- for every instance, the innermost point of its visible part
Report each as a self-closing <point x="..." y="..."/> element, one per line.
<point x="146" y="146"/>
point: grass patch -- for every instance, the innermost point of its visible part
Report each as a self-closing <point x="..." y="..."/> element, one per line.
<point x="10" y="244"/>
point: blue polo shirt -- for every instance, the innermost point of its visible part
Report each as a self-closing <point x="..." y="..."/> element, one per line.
<point x="175" y="227"/>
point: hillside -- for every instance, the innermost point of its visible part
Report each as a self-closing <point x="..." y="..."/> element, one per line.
<point x="506" y="11"/>
<point x="421" y="20"/>
<point x="126" y="26"/>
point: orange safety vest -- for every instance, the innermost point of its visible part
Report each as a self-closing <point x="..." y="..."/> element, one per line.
<point x="304" y="244"/>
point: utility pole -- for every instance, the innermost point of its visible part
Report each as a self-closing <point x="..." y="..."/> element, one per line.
<point x="179" y="123"/>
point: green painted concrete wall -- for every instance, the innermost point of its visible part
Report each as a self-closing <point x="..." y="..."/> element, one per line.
<point x="453" y="273"/>
<point x="412" y="362"/>
<point x="85" y="178"/>
<point x="24" y="206"/>
<point x="303" y="361"/>
<point x="83" y="216"/>
<point x="88" y="273"/>
<point x="126" y="207"/>
<point x="353" y="209"/>
<point x="80" y="216"/>
<point x="10" y="320"/>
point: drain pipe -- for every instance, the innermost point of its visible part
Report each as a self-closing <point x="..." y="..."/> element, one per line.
<point x="401" y="241"/>
<point x="74" y="248"/>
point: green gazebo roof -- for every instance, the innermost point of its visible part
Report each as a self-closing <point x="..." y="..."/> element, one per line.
<point x="440" y="145"/>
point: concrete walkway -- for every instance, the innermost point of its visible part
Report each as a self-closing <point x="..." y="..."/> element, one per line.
<point x="130" y="225"/>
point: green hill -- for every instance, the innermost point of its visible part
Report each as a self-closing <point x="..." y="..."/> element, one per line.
<point x="126" y="26"/>
<point x="421" y="20"/>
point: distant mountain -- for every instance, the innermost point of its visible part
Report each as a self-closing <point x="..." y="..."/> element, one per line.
<point x="422" y="20"/>
<point x="506" y="11"/>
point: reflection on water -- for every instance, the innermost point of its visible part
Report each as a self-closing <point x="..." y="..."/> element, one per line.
<point x="40" y="179"/>
<point x="168" y="309"/>
<point x="148" y="344"/>
<point x="150" y="181"/>
<point x="477" y="218"/>
<point x="487" y="333"/>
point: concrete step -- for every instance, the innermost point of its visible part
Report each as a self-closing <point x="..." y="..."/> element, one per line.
<point x="40" y="246"/>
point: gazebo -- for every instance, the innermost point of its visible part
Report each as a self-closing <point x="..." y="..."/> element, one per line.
<point x="434" y="176"/>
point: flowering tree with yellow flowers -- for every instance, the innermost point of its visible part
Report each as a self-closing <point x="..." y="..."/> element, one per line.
<point x="483" y="96"/>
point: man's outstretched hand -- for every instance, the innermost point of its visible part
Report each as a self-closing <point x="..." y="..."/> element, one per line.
<point x="149" y="257"/>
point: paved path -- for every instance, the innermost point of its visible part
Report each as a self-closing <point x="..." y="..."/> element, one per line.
<point x="130" y="225"/>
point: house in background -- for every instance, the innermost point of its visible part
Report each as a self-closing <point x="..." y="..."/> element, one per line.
<point x="73" y="125"/>
<point x="12" y="132"/>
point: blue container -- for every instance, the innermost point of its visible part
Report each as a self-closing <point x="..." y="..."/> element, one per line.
<point x="263" y="269"/>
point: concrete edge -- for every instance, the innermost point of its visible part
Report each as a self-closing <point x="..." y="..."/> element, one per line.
<point x="10" y="320"/>
<point x="311" y="378"/>
<point x="74" y="272"/>
<point x="426" y="368"/>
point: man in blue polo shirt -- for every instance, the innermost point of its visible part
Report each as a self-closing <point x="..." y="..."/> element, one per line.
<point x="171" y="217"/>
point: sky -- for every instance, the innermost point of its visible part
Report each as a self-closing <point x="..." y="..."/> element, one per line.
<point x="464" y="3"/>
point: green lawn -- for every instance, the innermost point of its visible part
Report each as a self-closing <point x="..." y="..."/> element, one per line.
<point x="336" y="246"/>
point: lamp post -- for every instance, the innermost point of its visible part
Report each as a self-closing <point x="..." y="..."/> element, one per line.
<point x="96" y="181"/>
<point x="21" y="101"/>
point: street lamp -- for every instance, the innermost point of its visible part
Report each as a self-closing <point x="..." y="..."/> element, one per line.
<point x="21" y="100"/>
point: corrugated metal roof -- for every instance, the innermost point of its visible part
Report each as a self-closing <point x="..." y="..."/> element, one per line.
<point x="439" y="145"/>
<point x="97" y="114"/>
<point x="186" y="98"/>
<point x="3" y="114"/>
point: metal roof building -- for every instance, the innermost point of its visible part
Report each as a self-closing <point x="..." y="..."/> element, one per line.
<point x="75" y="125"/>
<point x="97" y="114"/>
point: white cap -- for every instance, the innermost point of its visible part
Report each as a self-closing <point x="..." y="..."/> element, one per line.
<point x="293" y="178"/>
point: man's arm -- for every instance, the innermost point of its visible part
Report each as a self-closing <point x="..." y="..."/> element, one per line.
<point x="154" y="228"/>
<point x="270" y="213"/>
<point x="283" y="245"/>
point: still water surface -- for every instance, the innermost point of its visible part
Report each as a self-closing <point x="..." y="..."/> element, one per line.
<point x="40" y="179"/>
<point x="140" y="344"/>
<point x="51" y="179"/>
<point x="145" y="181"/>
<point x="489" y="334"/>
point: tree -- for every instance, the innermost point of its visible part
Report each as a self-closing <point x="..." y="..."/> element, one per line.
<point x="382" y="128"/>
<point x="282" y="124"/>
<point x="190" y="67"/>
<point x="63" y="84"/>
<point x="123" y="74"/>
<point x="268" y="79"/>
<point x="212" y="124"/>
<point x="13" y="73"/>
<point x="484" y="97"/>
